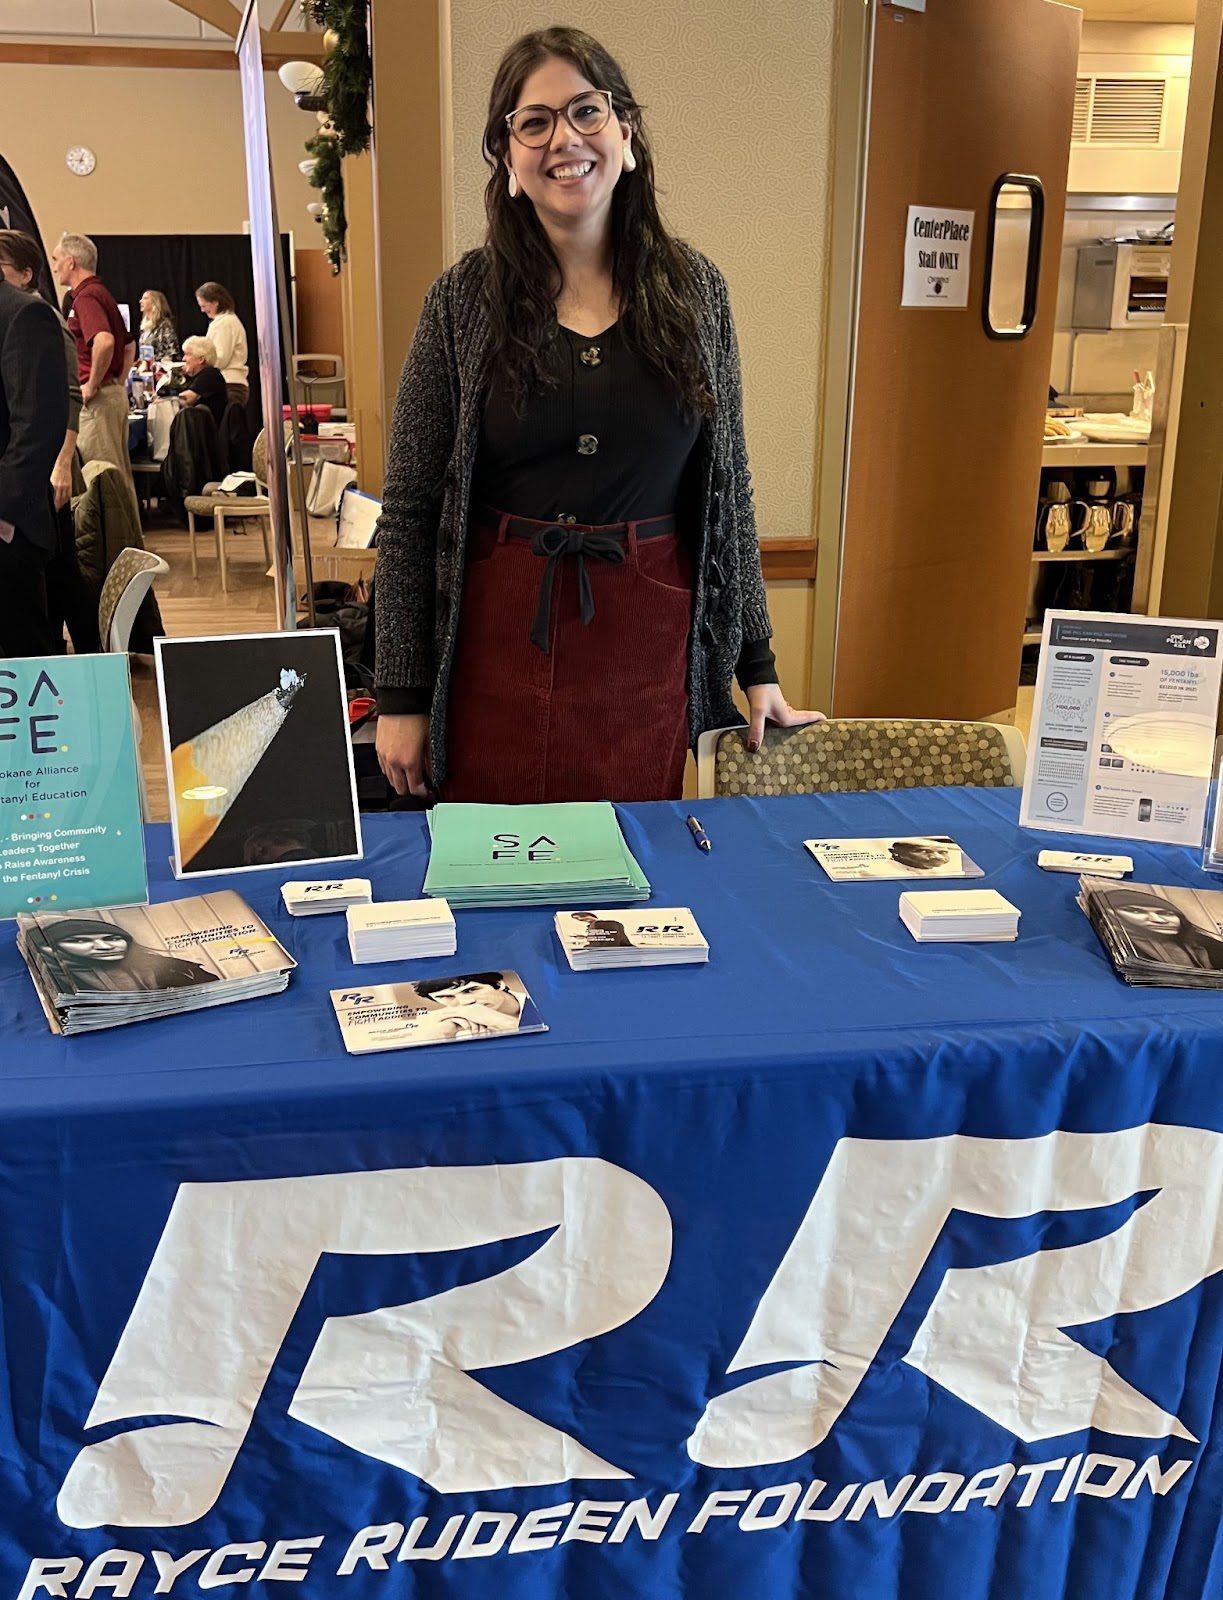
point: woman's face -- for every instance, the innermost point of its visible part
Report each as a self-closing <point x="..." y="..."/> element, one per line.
<point x="208" y="307"/>
<point x="1162" y="921"/>
<point x="192" y="362"/>
<point x="104" y="949"/>
<point x="19" y="278"/>
<point x="570" y="179"/>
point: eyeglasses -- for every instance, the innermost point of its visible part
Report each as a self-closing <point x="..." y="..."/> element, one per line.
<point x="588" y="112"/>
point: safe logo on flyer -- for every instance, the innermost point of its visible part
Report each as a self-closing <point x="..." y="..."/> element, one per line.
<point x="234" y="1261"/>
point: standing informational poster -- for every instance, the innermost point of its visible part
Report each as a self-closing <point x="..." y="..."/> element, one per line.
<point x="1123" y="725"/>
<point x="70" y="832"/>
<point x="274" y="325"/>
<point x="258" y="756"/>
<point x="938" y="252"/>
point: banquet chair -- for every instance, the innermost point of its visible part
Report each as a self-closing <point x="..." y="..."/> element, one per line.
<point x="128" y="581"/>
<point x="226" y="508"/>
<point x="311" y="387"/>
<point x="849" y="753"/>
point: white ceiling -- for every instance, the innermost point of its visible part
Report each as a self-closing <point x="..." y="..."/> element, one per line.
<point x="1136" y="10"/>
<point x="150" y="21"/>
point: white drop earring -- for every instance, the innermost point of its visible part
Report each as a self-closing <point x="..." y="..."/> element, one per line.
<point x="630" y="160"/>
<point x="513" y="186"/>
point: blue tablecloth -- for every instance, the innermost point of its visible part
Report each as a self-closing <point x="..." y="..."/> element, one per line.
<point x="761" y="1268"/>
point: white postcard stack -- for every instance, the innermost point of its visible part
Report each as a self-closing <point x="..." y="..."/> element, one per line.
<point x="400" y="930"/>
<point x="955" y="916"/>
<point x="648" y="938"/>
<point x="328" y="895"/>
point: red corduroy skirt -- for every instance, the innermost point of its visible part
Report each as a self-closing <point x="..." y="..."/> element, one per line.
<point x="570" y="668"/>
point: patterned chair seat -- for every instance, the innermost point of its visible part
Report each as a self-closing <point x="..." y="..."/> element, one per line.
<point x="855" y="753"/>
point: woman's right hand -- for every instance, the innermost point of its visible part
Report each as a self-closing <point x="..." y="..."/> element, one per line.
<point x="402" y="746"/>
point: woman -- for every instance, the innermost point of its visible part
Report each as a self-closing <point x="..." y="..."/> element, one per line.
<point x="158" y="335"/>
<point x="568" y="571"/>
<point x="228" y="335"/>
<point x="98" y="955"/>
<point x="1160" y="933"/>
<point x="69" y="600"/>
<point x="204" y="384"/>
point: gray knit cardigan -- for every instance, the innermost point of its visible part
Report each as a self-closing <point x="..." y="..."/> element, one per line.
<point x="423" y="527"/>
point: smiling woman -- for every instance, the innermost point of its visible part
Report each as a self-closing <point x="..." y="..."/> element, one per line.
<point x="568" y="569"/>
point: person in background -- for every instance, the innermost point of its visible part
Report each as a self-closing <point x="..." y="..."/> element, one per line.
<point x="33" y="419"/>
<point x="228" y="335"/>
<point x="204" y="384"/>
<point x="157" y="330"/>
<point x="105" y="353"/>
<point x="68" y="597"/>
<point x="568" y="570"/>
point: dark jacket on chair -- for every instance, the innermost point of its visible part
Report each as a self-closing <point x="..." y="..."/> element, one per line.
<point x="236" y="438"/>
<point x="33" y="413"/>
<point x="194" y="457"/>
<point x="106" y="523"/>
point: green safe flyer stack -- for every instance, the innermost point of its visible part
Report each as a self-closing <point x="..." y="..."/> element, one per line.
<point x="552" y="855"/>
<point x="70" y="833"/>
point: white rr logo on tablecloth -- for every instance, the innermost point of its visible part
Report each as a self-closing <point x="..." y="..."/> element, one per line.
<point x="234" y="1261"/>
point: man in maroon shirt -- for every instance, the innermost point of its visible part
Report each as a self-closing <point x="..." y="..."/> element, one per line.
<point x="105" y="352"/>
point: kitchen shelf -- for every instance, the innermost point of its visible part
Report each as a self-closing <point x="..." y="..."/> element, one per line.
<point x="1083" y="555"/>
<point x="1094" y="455"/>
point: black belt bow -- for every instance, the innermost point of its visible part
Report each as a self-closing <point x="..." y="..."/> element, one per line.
<point x="555" y="542"/>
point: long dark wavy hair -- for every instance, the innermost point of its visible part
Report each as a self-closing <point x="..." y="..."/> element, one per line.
<point x="652" y="280"/>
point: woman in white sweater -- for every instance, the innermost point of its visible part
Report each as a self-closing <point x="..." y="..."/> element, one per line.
<point x="228" y="336"/>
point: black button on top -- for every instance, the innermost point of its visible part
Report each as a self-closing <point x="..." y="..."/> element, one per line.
<point x="587" y="444"/>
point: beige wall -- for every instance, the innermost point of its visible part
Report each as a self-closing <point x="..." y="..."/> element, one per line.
<point x="168" y="143"/>
<point x="738" y="97"/>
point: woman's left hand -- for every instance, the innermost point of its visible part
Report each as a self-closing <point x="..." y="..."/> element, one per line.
<point x="768" y="704"/>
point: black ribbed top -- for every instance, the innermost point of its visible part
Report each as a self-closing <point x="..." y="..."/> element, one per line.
<point x="605" y="441"/>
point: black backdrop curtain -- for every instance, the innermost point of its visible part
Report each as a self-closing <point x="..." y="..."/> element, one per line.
<point x="176" y="264"/>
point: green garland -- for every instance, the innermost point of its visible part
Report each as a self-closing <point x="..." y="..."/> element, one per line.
<point x="347" y="74"/>
<point x="347" y="70"/>
<point x="328" y="178"/>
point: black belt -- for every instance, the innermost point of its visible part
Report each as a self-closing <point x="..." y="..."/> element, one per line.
<point x="556" y="540"/>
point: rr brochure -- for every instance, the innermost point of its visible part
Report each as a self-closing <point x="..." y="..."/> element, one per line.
<point x="70" y="832"/>
<point x="912" y="856"/>
<point x="473" y="1005"/>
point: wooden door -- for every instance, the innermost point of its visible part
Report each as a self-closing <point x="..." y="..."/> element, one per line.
<point x="946" y="422"/>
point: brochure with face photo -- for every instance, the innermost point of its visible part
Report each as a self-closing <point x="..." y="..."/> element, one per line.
<point x="1157" y="934"/>
<point x="619" y="938"/>
<point x="913" y="856"/>
<point x="473" y="1005"/>
<point x="258" y="756"/>
<point x="100" y="968"/>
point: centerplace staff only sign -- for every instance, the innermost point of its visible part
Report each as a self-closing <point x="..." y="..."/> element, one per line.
<point x="938" y="251"/>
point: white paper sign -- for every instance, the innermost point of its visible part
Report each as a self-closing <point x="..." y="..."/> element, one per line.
<point x="1123" y="725"/>
<point x="938" y="249"/>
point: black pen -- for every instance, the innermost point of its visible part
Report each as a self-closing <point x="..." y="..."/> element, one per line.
<point x="699" y="837"/>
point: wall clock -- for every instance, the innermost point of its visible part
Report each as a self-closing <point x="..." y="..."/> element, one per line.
<point x="81" y="160"/>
